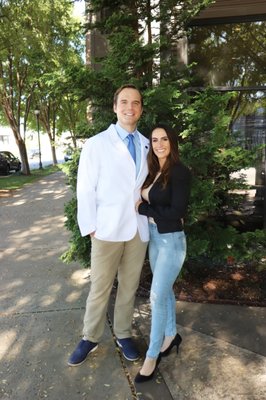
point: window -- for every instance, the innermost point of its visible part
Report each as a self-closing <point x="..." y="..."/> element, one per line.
<point x="4" y="139"/>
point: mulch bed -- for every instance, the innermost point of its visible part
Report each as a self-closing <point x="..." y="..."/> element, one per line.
<point x="229" y="284"/>
<point x="6" y="193"/>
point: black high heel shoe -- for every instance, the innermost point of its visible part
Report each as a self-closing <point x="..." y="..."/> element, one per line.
<point x="144" y="378"/>
<point x="175" y="342"/>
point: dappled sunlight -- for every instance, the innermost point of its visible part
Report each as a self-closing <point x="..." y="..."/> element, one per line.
<point x="7" y="338"/>
<point x="13" y="285"/>
<point x="73" y="296"/>
<point x="55" y="288"/>
<point x="226" y="358"/>
<point x="22" y="302"/>
<point x="47" y="300"/>
<point x="40" y="292"/>
<point x="39" y="346"/>
<point x="80" y="276"/>
<point x="38" y="199"/>
<point x="42" y="302"/>
<point x="11" y="343"/>
<point x="261" y="332"/>
<point x="22" y="257"/>
<point x="59" y="196"/>
<point x="41" y="298"/>
<point x="209" y="354"/>
<point x="226" y="363"/>
<point x="12" y="301"/>
<point x="16" y="348"/>
<point x="19" y="202"/>
<point x="36" y="233"/>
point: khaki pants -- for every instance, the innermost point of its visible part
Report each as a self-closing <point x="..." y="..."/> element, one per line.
<point x="108" y="259"/>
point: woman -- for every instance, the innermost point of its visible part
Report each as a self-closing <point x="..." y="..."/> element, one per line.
<point x="164" y="201"/>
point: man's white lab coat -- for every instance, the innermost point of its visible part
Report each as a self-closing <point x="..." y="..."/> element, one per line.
<point x="107" y="188"/>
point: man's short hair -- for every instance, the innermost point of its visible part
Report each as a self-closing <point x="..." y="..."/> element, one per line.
<point x="127" y="86"/>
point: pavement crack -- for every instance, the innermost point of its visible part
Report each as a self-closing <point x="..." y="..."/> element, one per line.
<point x="19" y="313"/>
<point x="123" y="364"/>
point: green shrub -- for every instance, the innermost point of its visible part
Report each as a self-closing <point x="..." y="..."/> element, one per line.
<point x="207" y="147"/>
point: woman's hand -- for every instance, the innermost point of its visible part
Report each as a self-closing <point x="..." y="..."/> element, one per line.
<point x="137" y="205"/>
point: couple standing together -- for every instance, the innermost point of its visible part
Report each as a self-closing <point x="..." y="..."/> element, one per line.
<point x="132" y="190"/>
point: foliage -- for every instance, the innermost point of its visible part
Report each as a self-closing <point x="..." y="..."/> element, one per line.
<point x="202" y="121"/>
<point x="213" y="155"/>
<point x="210" y="151"/>
<point x="160" y="104"/>
<point x="218" y="243"/>
<point x="249" y="246"/>
<point x="123" y="23"/>
<point x="70" y="168"/>
<point x="79" y="247"/>
<point x="48" y="40"/>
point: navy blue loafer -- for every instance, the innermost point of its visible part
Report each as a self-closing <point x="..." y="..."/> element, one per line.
<point x="83" y="349"/>
<point x="128" y="349"/>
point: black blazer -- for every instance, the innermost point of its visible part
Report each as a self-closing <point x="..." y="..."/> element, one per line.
<point x="168" y="206"/>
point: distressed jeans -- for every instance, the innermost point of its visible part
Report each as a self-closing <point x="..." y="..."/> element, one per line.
<point x="167" y="252"/>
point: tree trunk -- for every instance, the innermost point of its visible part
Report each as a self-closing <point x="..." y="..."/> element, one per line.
<point x="53" y="141"/>
<point x="149" y="30"/>
<point x="52" y="145"/>
<point x="74" y="139"/>
<point x="45" y="120"/>
<point x="25" y="169"/>
<point x="53" y="153"/>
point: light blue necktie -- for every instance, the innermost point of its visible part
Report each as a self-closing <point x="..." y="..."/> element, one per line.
<point x="131" y="146"/>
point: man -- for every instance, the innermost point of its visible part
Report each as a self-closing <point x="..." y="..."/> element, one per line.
<point x="111" y="171"/>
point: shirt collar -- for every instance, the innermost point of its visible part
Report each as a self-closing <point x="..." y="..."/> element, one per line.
<point x="122" y="132"/>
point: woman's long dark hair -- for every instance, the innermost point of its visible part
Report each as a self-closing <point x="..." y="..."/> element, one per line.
<point x="153" y="162"/>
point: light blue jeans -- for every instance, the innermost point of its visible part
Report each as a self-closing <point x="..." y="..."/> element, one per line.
<point x="167" y="252"/>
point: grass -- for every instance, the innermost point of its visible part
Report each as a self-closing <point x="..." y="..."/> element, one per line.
<point x="17" y="180"/>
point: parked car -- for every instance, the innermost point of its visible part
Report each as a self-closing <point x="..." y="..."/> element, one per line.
<point x="68" y="155"/>
<point x="9" y="162"/>
<point x="3" y="164"/>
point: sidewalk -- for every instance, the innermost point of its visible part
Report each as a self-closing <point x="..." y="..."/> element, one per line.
<point x="42" y="302"/>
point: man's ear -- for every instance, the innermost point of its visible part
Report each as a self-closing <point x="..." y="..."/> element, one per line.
<point x="114" y="108"/>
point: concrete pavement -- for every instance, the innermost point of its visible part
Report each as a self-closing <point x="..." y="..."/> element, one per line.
<point x="42" y="301"/>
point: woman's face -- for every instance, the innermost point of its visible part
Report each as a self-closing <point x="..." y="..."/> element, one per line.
<point x="160" y="144"/>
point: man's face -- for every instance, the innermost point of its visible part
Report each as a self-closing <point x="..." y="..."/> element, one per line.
<point x="128" y="108"/>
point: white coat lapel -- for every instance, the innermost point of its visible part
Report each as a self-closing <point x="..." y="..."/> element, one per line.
<point x="115" y="139"/>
